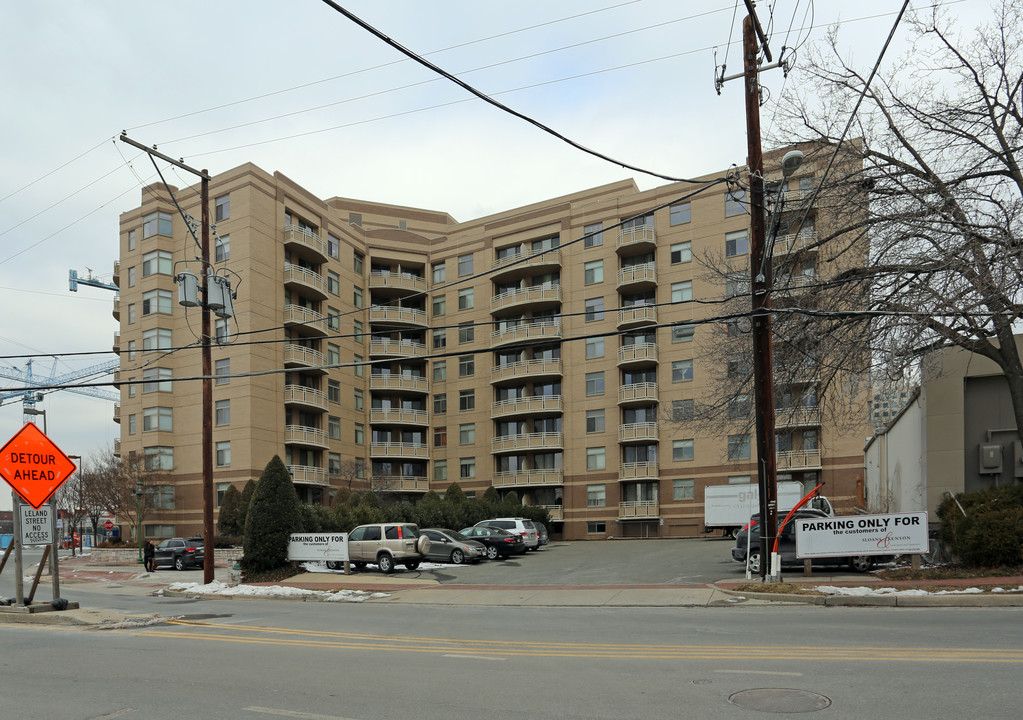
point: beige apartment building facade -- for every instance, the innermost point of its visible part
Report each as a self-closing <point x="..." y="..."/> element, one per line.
<point x="544" y="349"/>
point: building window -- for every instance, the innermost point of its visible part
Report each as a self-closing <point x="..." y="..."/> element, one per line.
<point x="334" y="391"/>
<point x="156" y="339"/>
<point x="358" y="330"/>
<point x="736" y="243"/>
<point x="333" y="319"/>
<point x="359" y="399"/>
<point x="158" y="262"/>
<point x="156" y="301"/>
<point x="360" y="433"/>
<point x="466" y="400"/>
<point x="682" y="333"/>
<point x="683" y="489"/>
<point x="156" y="380"/>
<point x="358" y="260"/>
<point x="131" y="424"/>
<point x="222" y="369"/>
<point x="682" y="450"/>
<point x="466" y="333"/>
<point x="464" y="265"/>
<point x="593" y="234"/>
<point x="360" y="467"/>
<point x="596" y="527"/>
<point x="682" y="410"/>
<point x="596" y="496"/>
<point x="131" y="276"/>
<point x="333" y="427"/>
<point x="736" y="284"/>
<point x="594" y="421"/>
<point x="738" y="447"/>
<point x="158" y="418"/>
<point x="682" y="371"/>
<point x="159" y="457"/>
<point x="334" y="464"/>
<point x="222" y="208"/>
<point x="467" y="434"/>
<point x="466" y="366"/>
<point x="440" y="470"/>
<point x="739" y="406"/>
<point x="131" y="349"/>
<point x="440" y="305"/>
<point x="224" y="453"/>
<point x="594" y="309"/>
<point x="679" y="214"/>
<point x="223" y="412"/>
<point x="333" y="354"/>
<point x="158" y="223"/>
<point x="357" y="366"/>
<point x="440" y="339"/>
<point x="465" y="299"/>
<point x="735" y="203"/>
<point x="440" y="404"/>
<point x="131" y="239"/>
<point x="440" y="273"/>
<point x="221" y="490"/>
<point x="222" y="330"/>
<point x="681" y="253"/>
<point x="333" y="247"/>
<point x="595" y="383"/>
<point x="440" y="437"/>
<point x="160" y="497"/>
<point x="440" y="370"/>
<point x="682" y="291"/>
<point x="593" y="272"/>
<point x="467" y="468"/>
<point x="131" y="387"/>
<point x="131" y="313"/>
<point x="594" y="348"/>
<point x="596" y="458"/>
<point x="333" y="283"/>
<point x="357" y="296"/>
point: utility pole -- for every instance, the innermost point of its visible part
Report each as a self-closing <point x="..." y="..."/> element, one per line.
<point x="207" y="363"/>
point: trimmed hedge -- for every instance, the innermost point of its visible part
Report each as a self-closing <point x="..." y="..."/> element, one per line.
<point x="991" y="532"/>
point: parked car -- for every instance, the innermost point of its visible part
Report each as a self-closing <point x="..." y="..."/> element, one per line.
<point x="499" y="543"/>
<point x="750" y="535"/>
<point x="450" y="546"/>
<point x="179" y="553"/>
<point x="519" y="526"/>
<point x="387" y="544"/>
<point x="542" y="530"/>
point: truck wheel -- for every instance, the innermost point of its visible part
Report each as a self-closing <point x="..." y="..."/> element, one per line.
<point x="861" y="563"/>
<point x="359" y="565"/>
<point x="733" y="532"/>
<point x="753" y="562"/>
<point x="335" y="564"/>
<point x="414" y="565"/>
<point x="386" y="563"/>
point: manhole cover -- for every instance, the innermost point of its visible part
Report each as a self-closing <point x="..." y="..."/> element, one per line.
<point x="779" y="700"/>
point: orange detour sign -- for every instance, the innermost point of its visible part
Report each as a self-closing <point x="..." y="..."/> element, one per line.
<point x="33" y="465"/>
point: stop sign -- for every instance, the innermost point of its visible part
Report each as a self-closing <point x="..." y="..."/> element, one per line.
<point x="109" y="524"/>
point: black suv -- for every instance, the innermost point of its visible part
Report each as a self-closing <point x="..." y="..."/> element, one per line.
<point x="179" y="553"/>
<point x="787" y="545"/>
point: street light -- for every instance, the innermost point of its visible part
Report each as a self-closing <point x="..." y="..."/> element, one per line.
<point x="138" y="517"/>
<point x="33" y="411"/>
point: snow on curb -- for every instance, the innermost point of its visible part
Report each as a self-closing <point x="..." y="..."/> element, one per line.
<point x="273" y="591"/>
<point x="879" y="592"/>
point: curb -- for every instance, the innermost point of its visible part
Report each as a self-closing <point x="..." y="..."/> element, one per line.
<point x="951" y="600"/>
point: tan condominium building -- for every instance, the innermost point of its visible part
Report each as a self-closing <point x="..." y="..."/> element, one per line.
<point x="556" y="350"/>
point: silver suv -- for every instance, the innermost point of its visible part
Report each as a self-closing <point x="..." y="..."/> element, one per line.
<point x="387" y="544"/>
<point x="518" y="526"/>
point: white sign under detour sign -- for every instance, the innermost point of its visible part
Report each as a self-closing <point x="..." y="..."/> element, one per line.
<point x="895" y="534"/>
<point x="35" y="525"/>
<point x="318" y="547"/>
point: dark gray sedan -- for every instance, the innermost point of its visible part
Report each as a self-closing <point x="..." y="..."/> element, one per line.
<point x="450" y="546"/>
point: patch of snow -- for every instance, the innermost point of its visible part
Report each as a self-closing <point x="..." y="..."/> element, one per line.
<point x="321" y="567"/>
<point x="276" y="591"/>
<point x="876" y="592"/>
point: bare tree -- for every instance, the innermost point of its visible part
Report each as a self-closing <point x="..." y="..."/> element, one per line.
<point x="346" y="473"/>
<point x="937" y="200"/>
<point x="114" y="486"/>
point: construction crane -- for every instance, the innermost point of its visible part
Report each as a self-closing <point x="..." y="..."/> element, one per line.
<point x="74" y="281"/>
<point x="30" y="395"/>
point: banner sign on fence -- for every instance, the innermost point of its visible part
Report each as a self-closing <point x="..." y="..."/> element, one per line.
<point x="894" y="534"/>
<point x="318" y="547"/>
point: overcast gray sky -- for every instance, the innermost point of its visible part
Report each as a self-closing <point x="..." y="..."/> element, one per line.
<point x="295" y="87"/>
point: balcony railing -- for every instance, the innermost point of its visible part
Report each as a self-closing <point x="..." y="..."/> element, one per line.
<point x="793" y="284"/>
<point x="305" y="319"/>
<point x="385" y="347"/>
<point x="419" y="451"/>
<point x="308" y="475"/>
<point x="637" y="353"/>
<point x="637" y="315"/>
<point x="635" y="432"/>
<point x="799" y="459"/>
<point x="302" y="435"/>
<point x="117" y="447"/>
<point x="400" y="483"/>
<point x="117" y="308"/>
<point x="295" y="354"/>
<point x="525" y="368"/>
<point x="803" y="240"/>
<point x="638" y="509"/>
<point x="528" y="441"/>
<point x="398" y="416"/>
<point x="415" y="383"/>
<point x="798" y="416"/>
<point x="305" y="238"/>
<point x="532" y="404"/>
<point x="117" y="412"/>
<point x="547" y="329"/>
<point x="643" y="273"/>
<point x="642" y="470"/>
<point x="526" y="259"/>
<point x="641" y="236"/>
<point x="305" y="277"/>
<point x="117" y="342"/>
<point x="116" y="280"/>
<point x="397" y="314"/>
<point x="545" y="294"/>
<point x="307" y="396"/>
<point x="635" y="392"/>
<point x="522" y="478"/>
<point x="383" y="279"/>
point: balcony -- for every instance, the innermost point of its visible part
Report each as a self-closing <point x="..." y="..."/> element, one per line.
<point x="400" y="483"/>
<point x="302" y="435"/>
<point x="635" y="240"/>
<point x="528" y="441"/>
<point x="304" y="242"/>
<point x="538" y="297"/>
<point x="637" y="277"/>
<point x="385" y="347"/>
<point x="643" y="470"/>
<point x="637" y="354"/>
<point x="526" y="406"/>
<point x="117" y="447"/>
<point x="506" y="479"/>
<point x="637" y="316"/>
<point x="117" y="412"/>
<point x="637" y="393"/>
<point x="793" y="284"/>
<point x="117" y="308"/>
<point x="557" y="512"/>
<point x="638" y="510"/>
<point x="397" y="315"/>
<point x="798" y="416"/>
<point x="411" y="383"/>
<point x="803" y="240"/>
<point x="525" y="369"/>
<point x="116" y="280"/>
<point x="308" y="475"/>
<point x="400" y="450"/>
<point x="525" y="263"/>
<point x="307" y="397"/>
<point x="637" y="432"/>
<point x="301" y="356"/>
<point x="305" y="321"/>
<point x="799" y="460"/>
<point x="398" y="416"/>
<point x="311" y="282"/>
<point x="799" y="197"/>
<point x="539" y="330"/>
<point x="117" y="342"/>
<point x="404" y="283"/>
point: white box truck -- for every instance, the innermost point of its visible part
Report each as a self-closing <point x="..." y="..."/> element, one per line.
<point x="728" y="507"/>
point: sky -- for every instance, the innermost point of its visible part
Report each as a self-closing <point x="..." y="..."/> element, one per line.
<point x="295" y="87"/>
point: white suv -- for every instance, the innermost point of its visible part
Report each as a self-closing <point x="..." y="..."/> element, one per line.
<point x="519" y="526"/>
